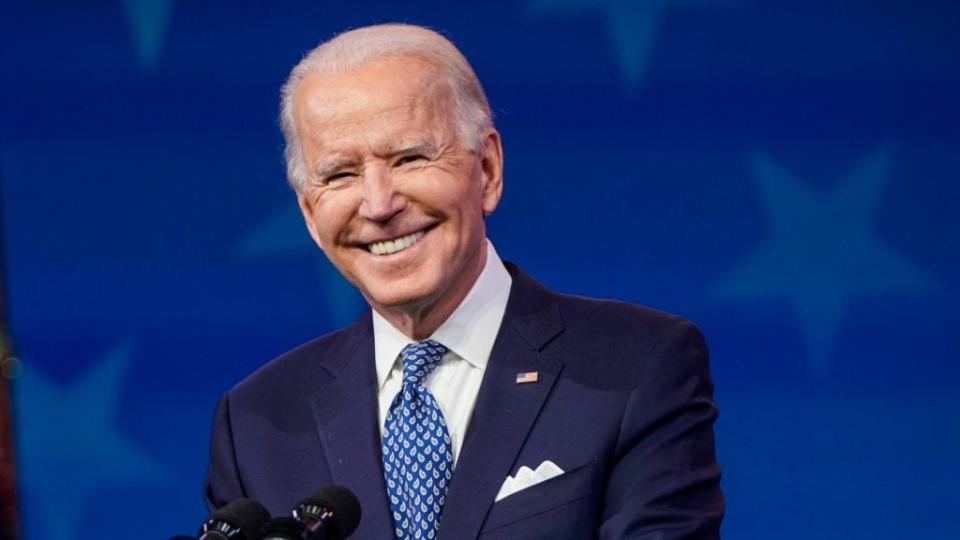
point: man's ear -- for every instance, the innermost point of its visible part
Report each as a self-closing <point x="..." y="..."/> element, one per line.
<point x="306" y="209"/>
<point x="491" y="169"/>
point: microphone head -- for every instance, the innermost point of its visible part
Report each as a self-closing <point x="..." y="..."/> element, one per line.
<point x="239" y="519"/>
<point x="336" y="506"/>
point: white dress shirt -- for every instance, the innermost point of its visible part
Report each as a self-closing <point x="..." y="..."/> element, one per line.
<point x="468" y="334"/>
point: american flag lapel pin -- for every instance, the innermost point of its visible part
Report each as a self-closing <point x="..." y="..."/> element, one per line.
<point x="528" y="377"/>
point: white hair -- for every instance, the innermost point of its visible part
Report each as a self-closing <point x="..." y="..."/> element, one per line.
<point x="471" y="112"/>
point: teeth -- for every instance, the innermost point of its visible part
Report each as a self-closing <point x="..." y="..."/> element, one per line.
<point x="397" y="244"/>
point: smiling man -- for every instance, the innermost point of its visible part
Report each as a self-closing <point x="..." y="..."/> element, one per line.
<point x="470" y="400"/>
<point x="397" y="196"/>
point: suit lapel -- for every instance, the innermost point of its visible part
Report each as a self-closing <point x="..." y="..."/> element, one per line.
<point x="505" y="411"/>
<point x="346" y="412"/>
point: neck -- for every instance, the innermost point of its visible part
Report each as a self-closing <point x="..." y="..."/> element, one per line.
<point x="419" y="321"/>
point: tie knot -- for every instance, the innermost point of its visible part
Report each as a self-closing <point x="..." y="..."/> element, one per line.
<point x="419" y="359"/>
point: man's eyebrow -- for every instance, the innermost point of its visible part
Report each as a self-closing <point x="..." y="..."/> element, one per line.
<point x="421" y="145"/>
<point x="329" y="166"/>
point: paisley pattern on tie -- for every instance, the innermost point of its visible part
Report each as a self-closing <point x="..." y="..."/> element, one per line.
<point x="417" y="452"/>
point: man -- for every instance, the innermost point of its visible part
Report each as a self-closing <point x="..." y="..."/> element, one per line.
<point x="470" y="401"/>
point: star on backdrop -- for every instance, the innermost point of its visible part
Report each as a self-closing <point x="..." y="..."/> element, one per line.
<point x="283" y="234"/>
<point x="148" y="21"/>
<point x="631" y="24"/>
<point x="823" y="251"/>
<point x="70" y="446"/>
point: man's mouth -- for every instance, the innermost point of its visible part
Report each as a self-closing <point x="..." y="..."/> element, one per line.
<point x="388" y="247"/>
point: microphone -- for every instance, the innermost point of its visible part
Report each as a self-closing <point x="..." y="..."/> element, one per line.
<point x="239" y="519"/>
<point x="332" y="513"/>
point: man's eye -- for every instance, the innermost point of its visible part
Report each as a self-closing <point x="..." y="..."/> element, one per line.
<point x="410" y="159"/>
<point x="338" y="176"/>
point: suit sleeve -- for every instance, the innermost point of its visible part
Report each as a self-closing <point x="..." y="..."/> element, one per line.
<point x="222" y="483"/>
<point x="665" y="482"/>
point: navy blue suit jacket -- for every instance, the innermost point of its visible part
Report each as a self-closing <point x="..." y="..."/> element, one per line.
<point x="623" y="405"/>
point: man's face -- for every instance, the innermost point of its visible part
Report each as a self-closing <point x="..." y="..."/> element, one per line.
<point x="393" y="196"/>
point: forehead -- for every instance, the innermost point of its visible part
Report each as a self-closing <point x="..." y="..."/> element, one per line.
<point x="395" y="93"/>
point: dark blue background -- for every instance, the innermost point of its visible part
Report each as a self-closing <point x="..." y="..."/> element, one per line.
<point x="783" y="174"/>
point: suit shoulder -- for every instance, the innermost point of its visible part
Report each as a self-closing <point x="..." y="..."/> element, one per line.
<point x="616" y="316"/>
<point x="618" y="344"/>
<point x="588" y="326"/>
<point x="301" y="367"/>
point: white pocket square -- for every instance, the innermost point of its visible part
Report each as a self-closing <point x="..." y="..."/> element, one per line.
<point x="527" y="477"/>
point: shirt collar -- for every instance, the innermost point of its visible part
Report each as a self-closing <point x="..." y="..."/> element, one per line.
<point x="469" y="331"/>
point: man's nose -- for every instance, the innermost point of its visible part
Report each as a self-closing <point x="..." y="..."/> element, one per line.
<point x="381" y="200"/>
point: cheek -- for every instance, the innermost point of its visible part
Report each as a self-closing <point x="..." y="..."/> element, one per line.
<point x="333" y="213"/>
<point x="460" y="194"/>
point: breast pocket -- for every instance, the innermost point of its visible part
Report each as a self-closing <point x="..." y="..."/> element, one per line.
<point x="580" y="484"/>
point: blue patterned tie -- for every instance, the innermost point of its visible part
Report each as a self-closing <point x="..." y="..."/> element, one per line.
<point x="417" y="452"/>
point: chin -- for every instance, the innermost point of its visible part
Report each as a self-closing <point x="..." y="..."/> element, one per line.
<point x="400" y="295"/>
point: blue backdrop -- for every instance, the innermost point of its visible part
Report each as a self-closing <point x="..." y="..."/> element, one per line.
<point x="783" y="174"/>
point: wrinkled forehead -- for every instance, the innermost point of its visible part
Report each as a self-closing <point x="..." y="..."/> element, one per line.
<point x="373" y="88"/>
